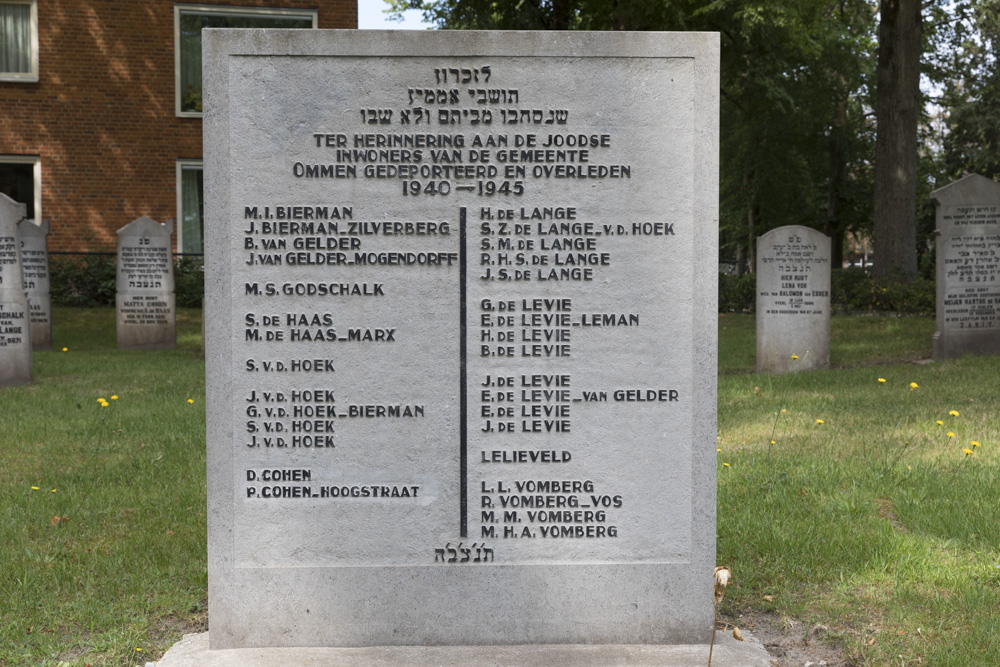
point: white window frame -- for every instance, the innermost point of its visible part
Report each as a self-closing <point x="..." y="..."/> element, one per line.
<point x="32" y="76"/>
<point x="179" y="217"/>
<point x="36" y="172"/>
<point x="225" y="10"/>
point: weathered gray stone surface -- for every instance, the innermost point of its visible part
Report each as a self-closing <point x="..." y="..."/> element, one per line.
<point x="968" y="267"/>
<point x="461" y="337"/>
<point x="193" y="651"/>
<point x="147" y="313"/>
<point x="15" y="318"/>
<point x="793" y="300"/>
<point x="35" y="270"/>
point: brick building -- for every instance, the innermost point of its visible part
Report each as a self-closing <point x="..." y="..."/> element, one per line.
<point x="100" y="107"/>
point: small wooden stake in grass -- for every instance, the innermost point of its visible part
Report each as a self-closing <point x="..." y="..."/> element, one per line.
<point x="721" y="575"/>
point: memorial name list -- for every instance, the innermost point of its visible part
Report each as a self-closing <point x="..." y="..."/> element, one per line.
<point x="458" y="320"/>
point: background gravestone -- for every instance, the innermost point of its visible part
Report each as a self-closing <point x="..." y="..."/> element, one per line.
<point x="147" y="314"/>
<point x="461" y="337"/>
<point x="968" y="267"/>
<point x="15" y="318"/>
<point x="793" y="300"/>
<point x="35" y="269"/>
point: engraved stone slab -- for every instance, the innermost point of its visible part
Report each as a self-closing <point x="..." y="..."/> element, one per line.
<point x="968" y="267"/>
<point x="147" y="314"/>
<point x="793" y="300"/>
<point x="461" y="340"/>
<point x="35" y="269"/>
<point x="15" y="318"/>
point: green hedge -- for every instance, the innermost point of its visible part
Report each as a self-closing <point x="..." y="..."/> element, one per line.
<point x="853" y="290"/>
<point x="89" y="280"/>
<point x="737" y="294"/>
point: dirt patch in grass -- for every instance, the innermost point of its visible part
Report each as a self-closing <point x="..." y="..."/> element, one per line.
<point x="175" y="627"/>
<point x="885" y="512"/>
<point x="790" y="642"/>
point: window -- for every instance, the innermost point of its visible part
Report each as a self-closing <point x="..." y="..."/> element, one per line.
<point x="21" y="180"/>
<point x="190" y="207"/>
<point x="18" y="40"/>
<point x="188" y="22"/>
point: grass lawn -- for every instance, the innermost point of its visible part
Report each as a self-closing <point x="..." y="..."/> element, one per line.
<point x="122" y="570"/>
<point x="849" y="502"/>
<point x="873" y="522"/>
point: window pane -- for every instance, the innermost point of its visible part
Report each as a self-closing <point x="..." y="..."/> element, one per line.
<point x="15" y="38"/>
<point x="190" y="45"/>
<point x="193" y="207"/>
<point x="17" y="181"/>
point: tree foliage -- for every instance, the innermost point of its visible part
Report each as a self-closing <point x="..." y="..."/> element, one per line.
<point x="969" y="70"/>
<point x="798" y="99"/>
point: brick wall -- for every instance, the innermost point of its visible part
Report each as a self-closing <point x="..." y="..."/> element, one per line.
<point x="101" y="116"/>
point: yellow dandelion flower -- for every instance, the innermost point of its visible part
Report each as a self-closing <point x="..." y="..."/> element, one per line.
<point x="820" y="421"/>
<point x="65" y="349"/>
<point x="914" y="385"/>
<point x="951" y="434"/>
<point x="974" y="443"/>
<point x="783" y="410"/>
<point x="967" y="451"/>
<point x="35" y="488"/>
<point x="53" y="491"/>
<point x="882" y="380"/>
<point x="100" y="400"/>
<point x="719" y="450"/>
<point x="114" y="397"/>
<point x="191" y="400"/>
<point x="795" y="356"/>
<point x="953" y="413"/>
<point x="726" y="465"/>
<point x="773" y="442"/>
<point x="138" y="649"/>
<point x="939" y="422"/>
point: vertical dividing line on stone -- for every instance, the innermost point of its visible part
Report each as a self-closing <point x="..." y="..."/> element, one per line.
<point x="463" y="438"/>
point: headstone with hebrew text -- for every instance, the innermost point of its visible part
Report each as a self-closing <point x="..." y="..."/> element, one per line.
<point x="968" y="267"/>
<point x="461" y="337"/>
<point x="147" y="313"/>
<point x="793" y="300"/>
<point x="35" y="269"/>
<point x="15" y="317"/>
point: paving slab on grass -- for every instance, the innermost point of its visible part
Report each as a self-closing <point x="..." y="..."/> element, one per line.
<point x="192" y="651"/>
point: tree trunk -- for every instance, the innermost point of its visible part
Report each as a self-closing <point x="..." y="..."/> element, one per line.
<point x="560" y="15"/>
<point x="897" y="111"/>
<point x="834" y="205"/>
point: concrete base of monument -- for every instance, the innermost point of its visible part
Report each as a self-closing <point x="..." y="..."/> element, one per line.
<point x="192" y="651"/>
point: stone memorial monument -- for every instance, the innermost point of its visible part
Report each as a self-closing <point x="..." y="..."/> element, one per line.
<point x="147" y="315"/>
<point x="15" y="318"/>
<point x="461" y="337"/>
<point x="968" y="267"/>
<point x="793" y="300"/>
<point x="35" y="269"/>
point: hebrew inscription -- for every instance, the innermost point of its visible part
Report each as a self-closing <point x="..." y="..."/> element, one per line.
<point x="35" y="269"/>
<point x="15" y="314"/>
<point x="968" y="267"/>
<point x="145" y="296"/>
<point x="793" y="300"/>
